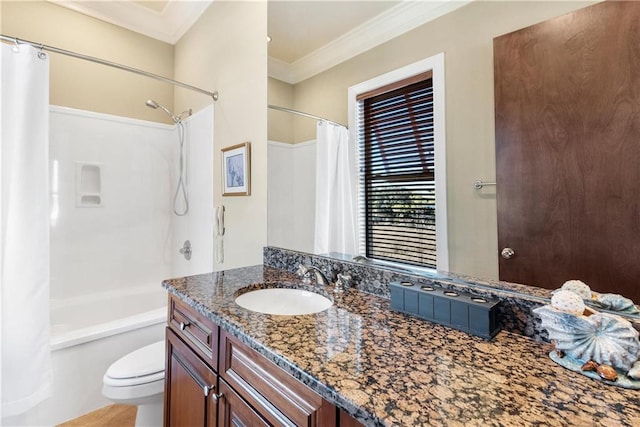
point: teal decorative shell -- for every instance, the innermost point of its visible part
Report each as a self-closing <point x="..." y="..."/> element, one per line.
<point x="601" y="337"/>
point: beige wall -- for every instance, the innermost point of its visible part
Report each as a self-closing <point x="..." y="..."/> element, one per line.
<point x="466" y="38"/>
<point x="226" y="51"/>
<point x="280" y="123"/>
<point x="80" y="84"/>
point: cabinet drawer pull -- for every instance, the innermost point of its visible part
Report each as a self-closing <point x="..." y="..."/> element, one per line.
<point x="183" y="325"/>
<point x="208" y="388"/>
<point x="217" y="397"/>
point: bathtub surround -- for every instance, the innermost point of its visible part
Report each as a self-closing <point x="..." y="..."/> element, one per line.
<point x="25" y="368"/>
<point x="134" y="236"/>
<point x="127" y="240"/>
<point x="197" y="225"/>
<point x="291" y="174"/>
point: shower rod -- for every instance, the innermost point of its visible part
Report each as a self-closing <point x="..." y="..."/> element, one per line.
<point x="301" y="113"/>
<point x="40" y="46"/>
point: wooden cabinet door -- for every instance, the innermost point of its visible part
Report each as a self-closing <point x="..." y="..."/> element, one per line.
<point x="568" y="149"/>
<point x="190" y="387"/>
<point x="234" y="411"/>
<point x="346" y="420"/>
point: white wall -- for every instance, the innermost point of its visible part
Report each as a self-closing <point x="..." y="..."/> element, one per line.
<point x="292" y="180"/>
<point x="134" y="237"/>
<point x="197" y="225"/>
<point x="125" y="241"/>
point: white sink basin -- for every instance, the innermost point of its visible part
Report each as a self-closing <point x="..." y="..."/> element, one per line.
<point x="283" y="301"/>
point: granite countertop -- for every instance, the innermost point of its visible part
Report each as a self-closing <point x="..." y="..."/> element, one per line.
<point x="386" y="368"/>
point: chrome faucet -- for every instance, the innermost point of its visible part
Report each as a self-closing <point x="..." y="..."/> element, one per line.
<point x="305" y="271"/>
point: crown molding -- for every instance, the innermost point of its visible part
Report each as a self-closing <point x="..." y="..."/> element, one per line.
<point x="169" y="25"/>
<point x="390" y="24"/>
<point x="281" y="70"/>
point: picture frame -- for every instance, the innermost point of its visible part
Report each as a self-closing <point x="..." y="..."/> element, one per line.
<point x="236" y="170"/>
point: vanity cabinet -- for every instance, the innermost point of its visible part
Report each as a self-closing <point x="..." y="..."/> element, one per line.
<point x="213" y="379"/>
<point x="190" y="387"/>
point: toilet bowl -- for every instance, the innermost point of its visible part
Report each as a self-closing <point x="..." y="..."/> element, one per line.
<point x="138" y="379"/>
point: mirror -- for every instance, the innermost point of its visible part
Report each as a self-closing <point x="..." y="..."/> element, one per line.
<point x="470" y="136"/>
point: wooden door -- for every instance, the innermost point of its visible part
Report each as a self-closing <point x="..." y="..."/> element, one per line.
<point x="567" y="99"/>
<point x="190" y="387"/>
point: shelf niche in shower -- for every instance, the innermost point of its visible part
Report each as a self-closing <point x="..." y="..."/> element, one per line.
<point x="88" y="185"/>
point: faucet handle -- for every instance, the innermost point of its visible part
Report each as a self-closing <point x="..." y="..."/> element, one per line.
<point x="343" y="282"/>
<point x="303" y="272"/>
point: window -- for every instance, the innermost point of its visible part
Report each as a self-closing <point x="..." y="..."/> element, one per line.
<point x="399" y="129"/>
<point x="397" y="178"/>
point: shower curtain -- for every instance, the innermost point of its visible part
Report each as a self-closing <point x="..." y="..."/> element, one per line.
<point x="336" y="188"/>
<point x="25" y="365"/>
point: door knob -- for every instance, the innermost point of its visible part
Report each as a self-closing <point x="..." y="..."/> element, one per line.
<point x="507" y="253"/>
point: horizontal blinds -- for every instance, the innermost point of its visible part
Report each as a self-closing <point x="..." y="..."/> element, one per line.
<point x="397" y="174"/>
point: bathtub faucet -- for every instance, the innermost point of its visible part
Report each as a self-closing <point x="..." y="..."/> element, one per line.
<point x="185" y="250"/>
<point x="305" y="271"/>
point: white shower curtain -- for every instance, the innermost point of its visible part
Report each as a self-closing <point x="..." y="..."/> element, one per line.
<point x="25" y="367"/>
<point x="336" y="188"/>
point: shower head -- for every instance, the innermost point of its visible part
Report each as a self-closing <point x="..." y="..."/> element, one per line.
<point x="153" y="104"/>
<point x="176" y="119"/>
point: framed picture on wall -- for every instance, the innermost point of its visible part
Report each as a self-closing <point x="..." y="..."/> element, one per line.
<point x="236" y="170"/>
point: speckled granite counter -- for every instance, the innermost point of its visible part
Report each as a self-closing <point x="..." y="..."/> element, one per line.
<point x="386" y="368"/>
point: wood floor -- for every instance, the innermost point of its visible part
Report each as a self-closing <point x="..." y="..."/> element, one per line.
<point x="109" y="416"/>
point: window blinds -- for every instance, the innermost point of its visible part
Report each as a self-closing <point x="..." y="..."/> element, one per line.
<point x="397" y="174"/>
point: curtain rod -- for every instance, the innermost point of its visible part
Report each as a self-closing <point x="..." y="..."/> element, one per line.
<point x="40" y="46"/>
<point x="300" y="113"/>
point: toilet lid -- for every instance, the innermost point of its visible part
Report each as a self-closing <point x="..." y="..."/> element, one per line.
<point x="145" y="361"/>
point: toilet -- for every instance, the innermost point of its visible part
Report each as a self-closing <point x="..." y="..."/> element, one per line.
<point x="138" y="379"/>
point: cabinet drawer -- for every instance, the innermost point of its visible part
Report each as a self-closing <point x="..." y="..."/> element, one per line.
<point x="195" y="329"/>
<point x="279" y="397"/>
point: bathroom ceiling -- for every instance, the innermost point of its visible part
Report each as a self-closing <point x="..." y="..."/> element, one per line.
<point x="308" y="37"/>
<point x="166" y="20"/>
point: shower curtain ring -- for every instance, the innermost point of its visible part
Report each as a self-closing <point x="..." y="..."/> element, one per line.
<point x="41" y="53"/>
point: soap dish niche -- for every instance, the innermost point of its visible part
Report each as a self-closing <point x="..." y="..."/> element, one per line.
<point x="88" y="185"/>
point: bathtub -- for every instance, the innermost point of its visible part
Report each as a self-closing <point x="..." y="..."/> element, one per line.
<point x="88" y="334"/>
<point x="91" y="317"/>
